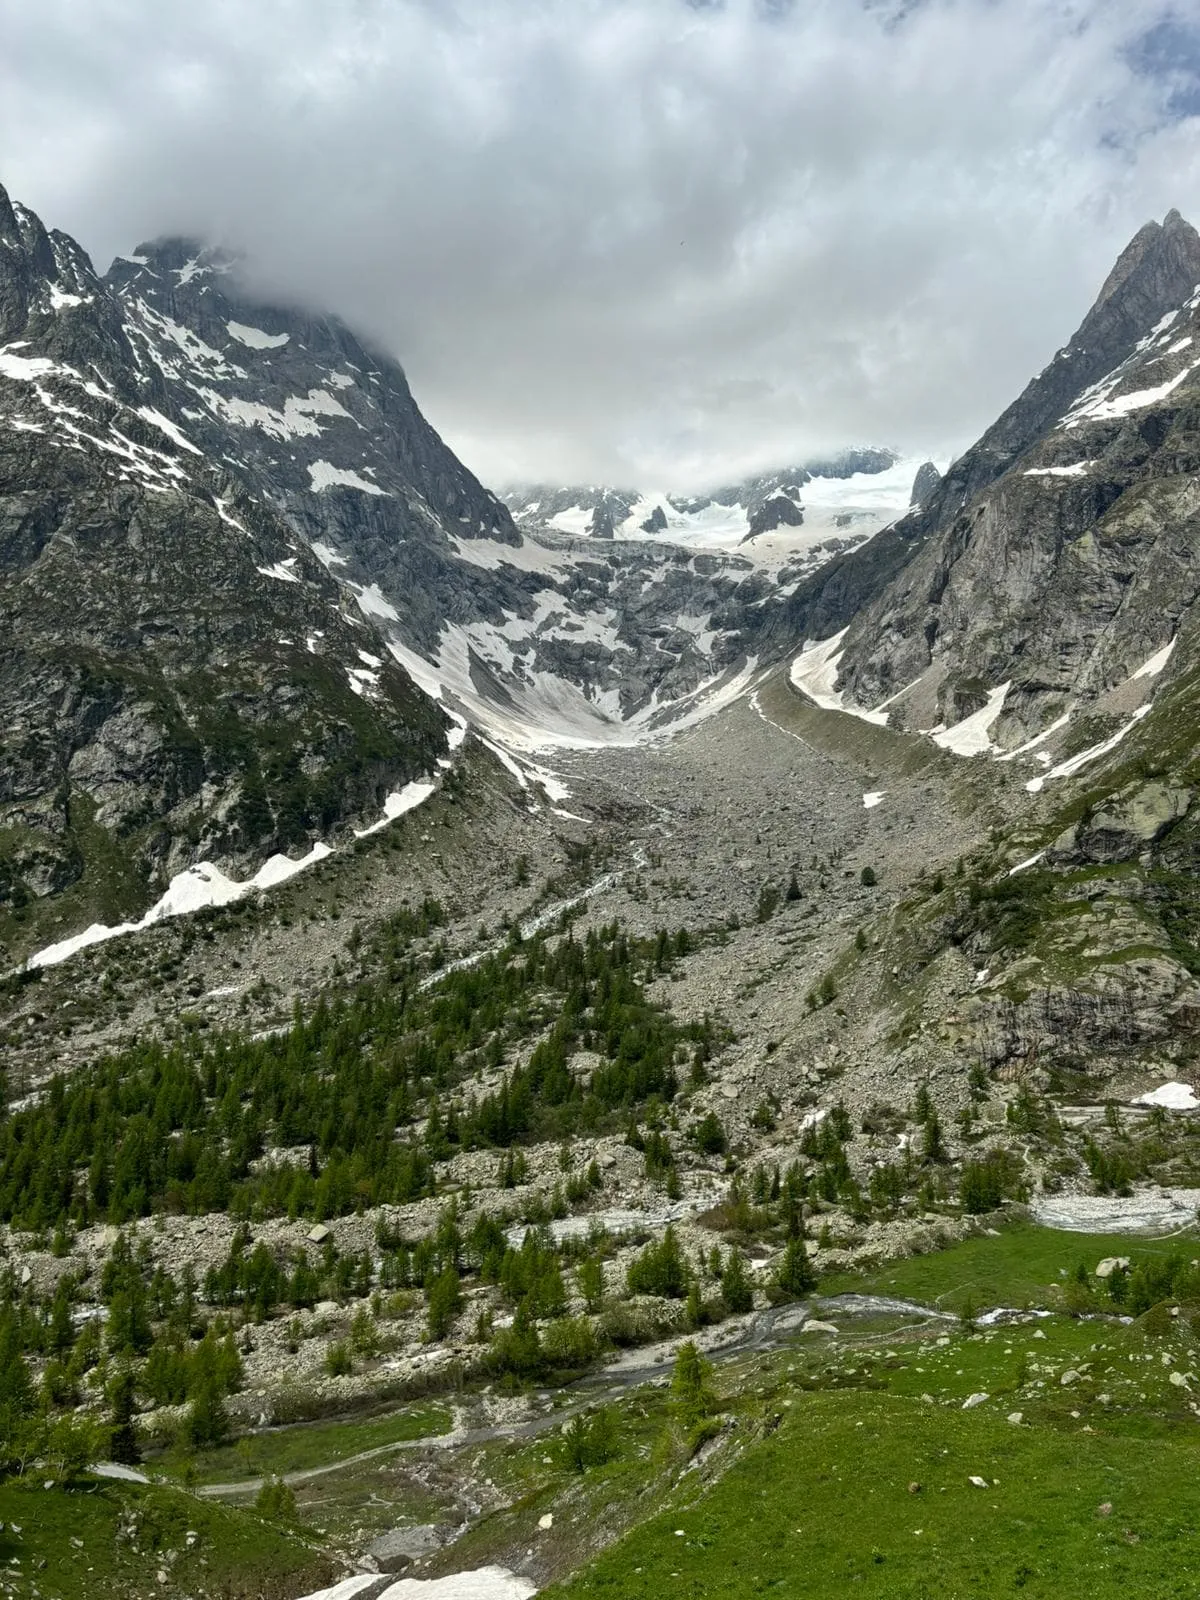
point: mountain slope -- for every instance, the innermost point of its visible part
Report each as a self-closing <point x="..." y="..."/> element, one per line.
<point x="1056" y="554"/>
<point x="538" y="632"/>
<point x="178" y="676"/>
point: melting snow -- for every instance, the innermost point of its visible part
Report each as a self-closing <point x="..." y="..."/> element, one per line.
<point x="372" y="603"/>
<point x="255" y="337"/>
<point x="1023" y="866"/>
<point x="1174" y="1096"/>
<point x="23" y="368"/>
<point x="484" y="1583"/>
<point x="297" y="420"/>
<point x="327" y="555"/>
<point x="324" y="475"/>
<point x="197" y="889"/>
<point x="281" y="570"/>
<point x="59" y="298"/>
<point x="1101" y="408"/>
<point x="165" y="425"/>
<point x="1152" y="668"/>
<point x="971" y="736"/>
<point x="1066" y="769"/>
<point x="814" y="672"/>
<point x="1039" y="738"/>
<point x="395" y="805"/>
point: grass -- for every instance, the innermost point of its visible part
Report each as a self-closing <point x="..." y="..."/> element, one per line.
<point x="305" y="1445"/>
<point x="825" y="1503"/>
<point x="1094" y="1492"/>
<point x="1019" y="1265"/>
<point x="112" y="1539"/>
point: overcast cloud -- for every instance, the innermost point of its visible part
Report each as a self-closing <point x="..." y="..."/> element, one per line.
<point x="648" y="241"/>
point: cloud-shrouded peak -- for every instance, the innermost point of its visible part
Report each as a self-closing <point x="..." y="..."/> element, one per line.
<point x="634" y="239"/>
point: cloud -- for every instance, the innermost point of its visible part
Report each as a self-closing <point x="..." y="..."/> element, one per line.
<point x="641" y="240"/>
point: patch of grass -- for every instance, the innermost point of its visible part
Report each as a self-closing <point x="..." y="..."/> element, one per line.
<point x="311" y="1444"/>
<point x="825" y="1503"/>
<point x="112" y="1539"/>
<point x="1020" y="1265"/>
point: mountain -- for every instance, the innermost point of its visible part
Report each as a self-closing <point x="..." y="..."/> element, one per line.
<point x="1056" y="557"/>
<point x="734" y="512"/>
<point x="533" y="635"/>
<point x="180" y="678"/>
<point x="752" y="1039"/>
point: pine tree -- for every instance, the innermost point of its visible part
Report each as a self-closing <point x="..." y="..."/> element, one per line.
<point x="691" y="1386"/>
<point x="122" y="1437"/>
<point x="736" y="1290"/>
<point x="796" y="1276"/>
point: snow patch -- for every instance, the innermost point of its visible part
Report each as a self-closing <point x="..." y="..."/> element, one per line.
<point x="171" y="429"/>
<point x="1174" y="1096"/>
<point x="814" y="672"/>
<point x="255" y="338"/>
<point x="324" y="475"/>
<point x="23" y="368"/>
<point x="395" y="805"/>
<point x="281" y="570"/>
<point x="1076" y="471"/>
<point x="373" y="603"/>
<point x="872" y="798"/>
<point x="484" y="1583"/>
<point x="1152" y="667"/>
<point x="1068" y="768"/>
<point x="971" y="736"/>
<point x="1122" y="405"/>
<point x="1039" y="738"/>
<point x="199" y="888"/>
<point x="1023" y="866"/>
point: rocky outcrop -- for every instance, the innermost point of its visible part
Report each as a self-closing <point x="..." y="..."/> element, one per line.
<point x="1123" y="827"/>
<point x="1057" y="554"/>
<point x="926" y="481"/>
<point x="778" y="512"/>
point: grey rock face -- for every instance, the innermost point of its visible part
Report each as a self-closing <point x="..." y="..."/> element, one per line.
<point x="926" y="481"/>
<point x="1058" y="554"/>
<point x="777" y="512"/>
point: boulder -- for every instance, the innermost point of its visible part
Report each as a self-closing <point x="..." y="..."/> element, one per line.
<point x="399" y="1549"/>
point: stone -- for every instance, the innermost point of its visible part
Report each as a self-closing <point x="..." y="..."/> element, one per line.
<point x="974" y="1400"/>
<point x="318" y="1233"/>
<point x="399" y="1549"/>
<point x="546" y="1520"/>
<point x="1110" y="1264"/>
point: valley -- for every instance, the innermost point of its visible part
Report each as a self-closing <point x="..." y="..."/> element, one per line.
<point x="470" y="965"/>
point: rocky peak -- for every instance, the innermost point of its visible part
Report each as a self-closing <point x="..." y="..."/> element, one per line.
<point x="1055" y="560"/>
<point x="926" y="481"/>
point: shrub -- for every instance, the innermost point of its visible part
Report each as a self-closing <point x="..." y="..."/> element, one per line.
<point x="338" y="1361"/>
<point x="276" y="1500"/>
<point x="709" y="1135"/>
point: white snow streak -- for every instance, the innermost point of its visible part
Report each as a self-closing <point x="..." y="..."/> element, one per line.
<point x="255" y="338"/>
<point x="324" y="475"/>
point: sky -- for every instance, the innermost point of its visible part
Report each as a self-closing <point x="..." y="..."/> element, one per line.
<point x="649" y="242"/>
